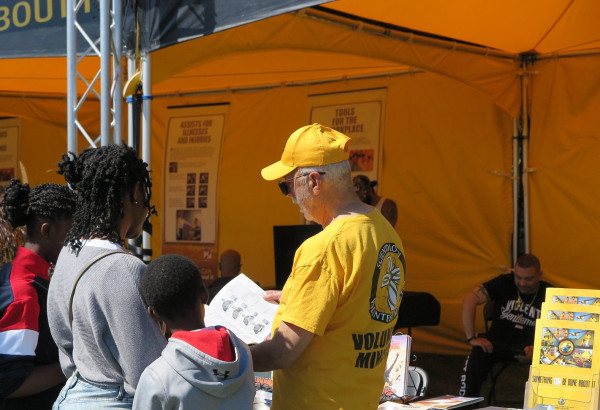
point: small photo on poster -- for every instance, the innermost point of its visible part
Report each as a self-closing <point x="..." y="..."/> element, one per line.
<point x="203" y="176"/>
<point x="190" y="190"/>
<point x="188" y="225"/>
<point x="191" y="178"/>
<point x="202" y="190"/>
<point x="172" y="167"/>
<point x="190" y="203"/>
<point x="6" y="174"/>
<point x="361" y="160"/>
<point x="202" y="202"/>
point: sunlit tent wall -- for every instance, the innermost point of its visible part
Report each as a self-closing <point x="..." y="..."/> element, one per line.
<point x="447" y="144"/>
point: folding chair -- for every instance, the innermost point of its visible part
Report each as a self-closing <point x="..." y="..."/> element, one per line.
<point x="417" y="381"/>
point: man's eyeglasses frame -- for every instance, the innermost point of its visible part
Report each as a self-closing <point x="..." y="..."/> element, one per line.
<point x="283" y="185"/>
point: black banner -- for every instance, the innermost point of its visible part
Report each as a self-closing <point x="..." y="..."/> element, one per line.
<point x="170" y="22"/>
<point x="37" y="28"/>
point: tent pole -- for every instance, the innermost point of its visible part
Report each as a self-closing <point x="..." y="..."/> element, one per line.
<point x="525" y="160"/>
<point x="117" y="66"/>
<point x="130" y="137"/>
<point x="105" y="65"/>
<point x="146" y="139"/>
<point x="515" y="189"/>
<point x="71" y="80"/>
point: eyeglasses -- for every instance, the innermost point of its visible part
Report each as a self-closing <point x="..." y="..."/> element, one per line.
<point x="283" y="185"/>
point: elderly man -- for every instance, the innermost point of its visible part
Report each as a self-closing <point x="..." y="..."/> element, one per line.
<point x="517" y="299"/>
<point x="332" y="331"/>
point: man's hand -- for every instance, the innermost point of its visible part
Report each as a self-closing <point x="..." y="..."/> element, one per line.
<point x="482" y="342"/>
<point x="273" y="296"/>
<point x="526" y="356"/>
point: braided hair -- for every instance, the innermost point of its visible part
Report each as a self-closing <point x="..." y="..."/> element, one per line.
<point x="101" y="177"/>
<point x="24" y="206"/>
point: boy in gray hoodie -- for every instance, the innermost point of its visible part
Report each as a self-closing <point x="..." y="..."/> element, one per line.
<point x="200" y="368"/>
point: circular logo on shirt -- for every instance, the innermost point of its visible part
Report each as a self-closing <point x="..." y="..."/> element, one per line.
<point x="388" y="283"/>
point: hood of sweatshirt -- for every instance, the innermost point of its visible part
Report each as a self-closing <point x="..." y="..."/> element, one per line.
<point x="213" y="360"/>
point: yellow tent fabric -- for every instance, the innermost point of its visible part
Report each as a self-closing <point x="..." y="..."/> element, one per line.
<point x="447" y="129"/>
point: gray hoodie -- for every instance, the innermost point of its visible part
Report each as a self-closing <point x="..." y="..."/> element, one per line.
<point x="204" y="369"/>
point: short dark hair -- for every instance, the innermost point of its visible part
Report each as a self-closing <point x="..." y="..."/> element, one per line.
<point x="172" y="285"/>
<point x="101" y="177"/>
<point x="528" y="260"/>
<point x="25" y="206"/>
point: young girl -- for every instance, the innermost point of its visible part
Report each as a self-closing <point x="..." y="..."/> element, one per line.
<point x="99" y="321"/>
<point x="30" y="375"/>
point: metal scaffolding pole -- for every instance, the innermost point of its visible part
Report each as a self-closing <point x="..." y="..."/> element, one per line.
<point x="146" y="140"/>
<point x="106" y="49"/>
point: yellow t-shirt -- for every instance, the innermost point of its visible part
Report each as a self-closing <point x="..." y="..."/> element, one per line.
<point x="345" y="287"/>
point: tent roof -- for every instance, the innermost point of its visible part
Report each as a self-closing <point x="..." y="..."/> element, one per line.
<point x="515" y="26"/>
<point x="350" y="39"/>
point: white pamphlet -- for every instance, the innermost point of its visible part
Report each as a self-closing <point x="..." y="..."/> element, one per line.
<point x="240" y="307"/>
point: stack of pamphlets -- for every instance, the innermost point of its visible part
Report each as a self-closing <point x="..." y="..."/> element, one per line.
<point x="441" y="402"/>
<point x="564" y="372"/>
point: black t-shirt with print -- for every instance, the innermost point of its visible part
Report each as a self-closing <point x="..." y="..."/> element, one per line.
<point x="514" y="324"/>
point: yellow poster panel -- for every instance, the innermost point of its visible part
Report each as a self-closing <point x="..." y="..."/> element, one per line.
<point x="590" y="297"/>
<point x="192" y="159"/>
<point x="357" y="114"/>
<point x="564" y="370"/>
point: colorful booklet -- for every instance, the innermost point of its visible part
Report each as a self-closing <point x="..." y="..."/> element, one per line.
<point x="571" y="312"/>
<point x="441" y="402"/>
<point x="567" y="296"/>
<point x="396" y="370"/>
<point x="564" y="370"/>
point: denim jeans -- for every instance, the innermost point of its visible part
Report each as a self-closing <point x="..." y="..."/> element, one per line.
<point x="79" y="394"/>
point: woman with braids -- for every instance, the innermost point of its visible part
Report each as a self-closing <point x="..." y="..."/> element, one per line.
<point x="30" y="375"/>
<point x="96" y="311"/>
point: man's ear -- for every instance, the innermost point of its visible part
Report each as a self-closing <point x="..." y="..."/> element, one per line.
<point x="315" y="182"/>
<point x="45" y="230"/>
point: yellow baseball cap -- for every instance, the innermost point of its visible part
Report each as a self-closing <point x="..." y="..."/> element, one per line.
<point x="309" y="146"/>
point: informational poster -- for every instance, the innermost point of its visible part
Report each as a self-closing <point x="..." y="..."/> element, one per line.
<point x="357" y="114"/>
<point x="10" y="131"/>
<point x="192" y="158"/>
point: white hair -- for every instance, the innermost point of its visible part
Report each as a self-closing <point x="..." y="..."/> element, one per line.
<point x="337" y="174"/>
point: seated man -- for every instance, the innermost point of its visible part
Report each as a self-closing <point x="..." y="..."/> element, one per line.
<point x="230" y="266"/>
<point x="517" y="298"/>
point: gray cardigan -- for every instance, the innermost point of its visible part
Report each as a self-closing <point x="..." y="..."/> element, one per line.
<point x="113" y="338"/>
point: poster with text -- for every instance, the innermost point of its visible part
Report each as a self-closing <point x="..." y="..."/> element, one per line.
<point x="10" y="130"/>
<point x="193" y="154"/>
<point x="357" y="114"/>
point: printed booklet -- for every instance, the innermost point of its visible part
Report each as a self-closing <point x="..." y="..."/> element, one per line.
<point x="397" y="368"/>
<point x="441" y="402"/>
<point x="240" y="307"/>
<point x="564" y="371"/>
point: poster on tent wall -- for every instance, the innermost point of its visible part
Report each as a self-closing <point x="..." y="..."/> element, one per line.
<point x="358" y="114"/>
<point x="192" y="158"/>
<point x="10" y="131"/>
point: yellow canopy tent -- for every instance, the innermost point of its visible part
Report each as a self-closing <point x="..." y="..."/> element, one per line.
<point x="453" y="74"/>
